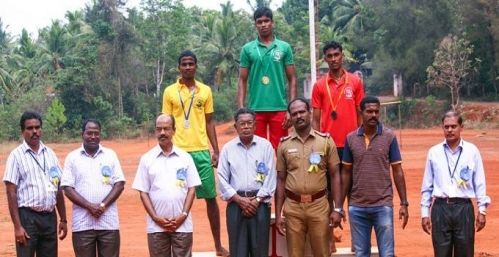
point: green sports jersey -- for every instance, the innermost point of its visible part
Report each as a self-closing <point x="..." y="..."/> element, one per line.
<point x="267" y="74"/>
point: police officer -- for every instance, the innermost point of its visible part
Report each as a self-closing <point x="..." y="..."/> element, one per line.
<point x="304" y="159"/>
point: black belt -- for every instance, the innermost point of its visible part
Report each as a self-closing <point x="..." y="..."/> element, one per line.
<point x="37" y="212"/>
<point x="247" y="193"/>
<point x="452" y="200"/>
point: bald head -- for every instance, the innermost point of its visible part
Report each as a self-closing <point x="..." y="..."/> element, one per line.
<point x="166" y="118"/>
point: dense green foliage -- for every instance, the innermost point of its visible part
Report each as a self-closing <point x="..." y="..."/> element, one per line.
<point x="113" y="64"/>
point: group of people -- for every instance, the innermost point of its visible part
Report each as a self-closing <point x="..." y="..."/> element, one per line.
<point x="338" y="149"/>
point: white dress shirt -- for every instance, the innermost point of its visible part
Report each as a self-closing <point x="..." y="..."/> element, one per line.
<point x="237" y="168"/>
<point x="157" y="176"/>
<point x="85" y="174"/>
<point x="441" y="181"/>
<point x="31" y="173"/>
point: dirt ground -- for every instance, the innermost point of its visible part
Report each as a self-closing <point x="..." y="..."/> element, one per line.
<point x="409" y="242"/>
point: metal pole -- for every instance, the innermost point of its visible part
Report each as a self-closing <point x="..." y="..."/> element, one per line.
<point x="311" y="25"/>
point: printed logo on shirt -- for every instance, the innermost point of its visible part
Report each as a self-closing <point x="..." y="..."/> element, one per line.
<point x="106" y="174"/>
<point x="55" y="176"/>
<point x="199" y="103"/>
<point x="181" y="177"/>
<point x="277" y="55"/>
<point x="348" y="92"/>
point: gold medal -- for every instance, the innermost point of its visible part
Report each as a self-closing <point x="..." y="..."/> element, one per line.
<point x="265" y="80"/>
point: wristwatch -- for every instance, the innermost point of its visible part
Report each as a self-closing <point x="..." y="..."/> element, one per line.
<point x="185" y="214"/>
<point x="258" y="199"/>
<point x="102" y="205"/>
<point x="340" y="211"/>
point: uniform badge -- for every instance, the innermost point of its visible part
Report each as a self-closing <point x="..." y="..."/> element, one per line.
<point x="106" y="174"/>
<point x="464" y="177"/>
<point x="315" y="159"/>
<point x="261" y="172"/>
<point x="181" y="177"/>
<point x="55" y="177"/>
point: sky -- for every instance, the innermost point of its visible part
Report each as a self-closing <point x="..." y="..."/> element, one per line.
<point x="36" y="14"/>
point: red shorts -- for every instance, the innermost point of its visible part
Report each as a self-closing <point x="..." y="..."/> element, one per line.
<point x="273" y="121"/>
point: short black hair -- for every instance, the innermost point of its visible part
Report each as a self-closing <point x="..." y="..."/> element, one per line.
<point x="262" y="11"/>
<point x="369" y="100"/>
<point x="300" y="99"/>
<point x="28" y="115"/>
<point x="96" y="122"/>
<point x="243" y="110"/>
<point x="451" y="114"/>
<point x="332" y="44"/>
<point x="187" y="53"/>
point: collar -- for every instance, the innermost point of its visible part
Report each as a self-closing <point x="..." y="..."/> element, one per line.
<point x="158" y="151"/>
<point x="180" y="85"/>
<point x="262" y="44"/>
<point x="82" y="151"/>
<point x="379" y="132"/>
<point x="295" y="135"/>
<point x="253" y="141"/>
<point x="460" y="145"/>
<point x="27" y="148"/>
<point x="342" y="78"/>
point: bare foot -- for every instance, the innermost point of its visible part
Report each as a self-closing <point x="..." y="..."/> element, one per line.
<point x="222" y="252"/>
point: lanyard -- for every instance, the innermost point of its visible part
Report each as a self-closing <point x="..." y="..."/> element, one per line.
<point x="38" y="163"/>
<point x="451" y="174"/>
<point x="186" y="116"/>
<point x="261" y="59"/>
<point x="334" y="106"/>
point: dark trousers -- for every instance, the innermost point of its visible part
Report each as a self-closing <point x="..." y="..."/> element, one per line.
<point x="248" y="236"/>
<point x="89" y="243"/>
<point x="164" y="244"/>
<point x="453" y="228"/>
<point x="42" y="230"/>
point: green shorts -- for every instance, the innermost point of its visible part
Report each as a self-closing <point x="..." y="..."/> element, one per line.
<point x="202" y="160"/>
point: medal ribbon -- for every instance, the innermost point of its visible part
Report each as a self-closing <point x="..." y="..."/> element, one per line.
<point x="334" y="106"/>
<point x="451" y="174"/>
<point x="38" y="163"/>
<point x="186" y="116"/>
<point x="261" y="59"/>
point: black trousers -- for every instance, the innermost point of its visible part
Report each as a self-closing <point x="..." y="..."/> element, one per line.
<point x="453" y="227"/>
<point x="42" y="230"/>
<point x="248" y="236"/>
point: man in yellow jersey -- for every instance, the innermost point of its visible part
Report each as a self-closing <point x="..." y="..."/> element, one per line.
<point x="191" y="103"/>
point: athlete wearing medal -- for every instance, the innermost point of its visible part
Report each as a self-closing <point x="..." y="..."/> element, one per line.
<point x="190" y="102"/>
<point x="453" y="176"/>
<point x="266" y="66"/>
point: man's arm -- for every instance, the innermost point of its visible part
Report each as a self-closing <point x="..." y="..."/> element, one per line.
<point x="242" y="85"/>
<point x="20" y="234"/>
<point x="398" y="178"/>
<point x="279" y="201"/>
<point x="116" y="191"/>
<point x="212" y="136"/>
<point x="291" y="76"/>
<point x="346" y="181"/>
<point x="316" y="119"/>
<point x="94" y="208"/>
<point x="189" y="199"/>
<point x="61" y="209"/>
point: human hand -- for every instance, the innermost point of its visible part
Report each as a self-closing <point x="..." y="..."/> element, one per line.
<point x="95" y="210"/>
<point x="480" y="222"/>
<point x="426" y="225"/>
<point x="21" y="236"/>
<point x="214" y="159"/>
<point x="336" y="218"/>
<point x="404" y="215"/>
<point x="280" y="225"/>
<point x="63" y="230"/>
<point x="287" y="122"/>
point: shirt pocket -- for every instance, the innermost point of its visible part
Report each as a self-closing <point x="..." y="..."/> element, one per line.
<point x="293" y="161"/>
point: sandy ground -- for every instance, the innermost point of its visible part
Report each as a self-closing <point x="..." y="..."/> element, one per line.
<point x="409" y="242"/>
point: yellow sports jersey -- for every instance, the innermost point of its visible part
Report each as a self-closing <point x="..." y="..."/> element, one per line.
<point x="189" y="110"/>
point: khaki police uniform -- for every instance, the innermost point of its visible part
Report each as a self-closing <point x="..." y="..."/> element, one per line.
<point x="306" y="206"/>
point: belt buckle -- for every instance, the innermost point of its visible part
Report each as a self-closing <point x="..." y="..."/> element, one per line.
<point x="306" y="198"/>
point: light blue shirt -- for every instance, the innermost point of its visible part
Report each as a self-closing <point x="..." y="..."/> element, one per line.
<point x="438" y="181"/>
<point x="237" y="168"/>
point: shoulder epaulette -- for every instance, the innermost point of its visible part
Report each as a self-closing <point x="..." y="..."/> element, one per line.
<point x="285" y="138"/>
<point x="322" y="134"/>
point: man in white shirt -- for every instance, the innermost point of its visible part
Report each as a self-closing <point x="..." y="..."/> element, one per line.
<point x="453" y="176"/>
<point x="93" y="181"/>
<point x="32" y="177"/>
<point x="166" y="179"/>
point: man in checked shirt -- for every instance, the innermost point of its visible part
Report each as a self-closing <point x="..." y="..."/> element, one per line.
<point x="93" y="181"/>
